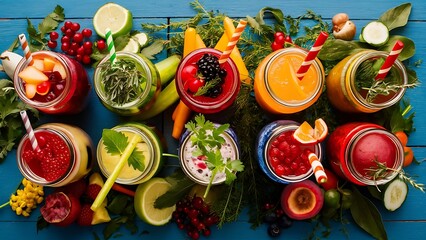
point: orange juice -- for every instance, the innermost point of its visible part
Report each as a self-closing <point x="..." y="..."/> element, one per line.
<point x="278" y="90"/>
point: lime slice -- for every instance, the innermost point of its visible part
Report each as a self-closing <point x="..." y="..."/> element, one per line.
<point x="132" y="46"/>
<point x="114" y="17"/>
<point x="141" y="38"/>
<point x="375" y="33"/>
<point x="146" y="194"/>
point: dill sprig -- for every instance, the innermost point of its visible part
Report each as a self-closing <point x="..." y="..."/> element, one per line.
<point x="122" y="81"/>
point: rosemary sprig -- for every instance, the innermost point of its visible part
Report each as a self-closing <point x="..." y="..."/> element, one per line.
<point x="382" y="87"/>
<point x="122" y="81"/>
<point x="209" y="85"/>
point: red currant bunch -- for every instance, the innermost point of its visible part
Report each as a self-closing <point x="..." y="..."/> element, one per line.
<point x="74" y="42"/>
<point x="193" y="215"/>
<point x="279" y="41"/>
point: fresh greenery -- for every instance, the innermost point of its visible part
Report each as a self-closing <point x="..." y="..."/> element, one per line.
<point x="181" y="186"/>
<point x="116" y="142"/>
<point x="396" y="17"/>
<point x="37" y="36"/>
<point x="11" y="126"/>
<point x="122" y="81"/>
<point x="208" y="139"/>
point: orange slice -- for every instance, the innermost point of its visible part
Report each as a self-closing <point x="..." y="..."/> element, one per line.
<point x="305" y="134"/>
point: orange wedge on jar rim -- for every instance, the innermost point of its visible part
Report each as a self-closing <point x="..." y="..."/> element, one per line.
<point x="305" y="134"/>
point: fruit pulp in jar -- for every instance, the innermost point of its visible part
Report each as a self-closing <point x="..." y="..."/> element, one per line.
<point x="355" y="149"/>
<point x="143" y="93"/>
<point x="208" y="103"/>
<point x="66" y="154"/>
<point x="54" y="83"/>
<point x="279" y="90"/>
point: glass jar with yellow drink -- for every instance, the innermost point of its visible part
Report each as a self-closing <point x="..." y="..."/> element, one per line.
<point x="351" y="86"/>
<point x="277" y="88"/>
<point x="150" y="147"/>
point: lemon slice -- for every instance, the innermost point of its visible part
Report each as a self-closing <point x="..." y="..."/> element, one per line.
<point x="146" y="194"/>
<point x="114" y="17"/>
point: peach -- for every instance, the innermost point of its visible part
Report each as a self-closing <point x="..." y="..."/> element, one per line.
<point x="32" y="75"/>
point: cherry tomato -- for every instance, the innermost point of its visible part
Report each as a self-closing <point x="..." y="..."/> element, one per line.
<point x="278" y="34"/>
<point x="332" y="180"/>
<point x="189" y="72"/>
<point x="288" y="39"/>
<point x="280" y="39"/>
<point x="195" y="84"/>
<point x="43" y="88"/>
<point x="275" y="46"/>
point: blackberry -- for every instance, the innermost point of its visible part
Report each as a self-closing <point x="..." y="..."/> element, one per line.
<point x="208" y="66"/>
<point x="215" y="91"/>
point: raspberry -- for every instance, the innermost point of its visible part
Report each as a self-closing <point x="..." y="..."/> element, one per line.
<point x="92" y="191"/>
<point x="86" y="215"/>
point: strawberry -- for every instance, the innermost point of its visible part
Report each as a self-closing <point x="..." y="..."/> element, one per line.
<point x="92" y="191"/>
<point x="86" y="215"/>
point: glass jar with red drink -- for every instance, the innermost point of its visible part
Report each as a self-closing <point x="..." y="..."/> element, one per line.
<point x="192" y="74"/>
<point x="53" y="83"/>
<point x="281" y="157"/>
<point x="66" y="155"/>
<point x="357" y="150"/>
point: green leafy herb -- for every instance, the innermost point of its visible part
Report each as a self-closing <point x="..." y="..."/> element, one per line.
<point x="397" y="16"/>
<point x="408" y="50"/>
<point x="208" y="139"/>
<point x="116" y="142"/>
<point x="156" y="47"/>
<point x="181" y="185"/>
<point x="37" y="36"/>
<point x="122" y="80"/>
<point x="11" y="127"/>
<point x="209" y="85"/>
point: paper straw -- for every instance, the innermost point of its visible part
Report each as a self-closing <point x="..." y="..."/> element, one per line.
<point x="26" y="48"/>
<point x="233" y="41"/>
<point x="317" y="167"/>
<point x="30" y="131"/>
<point x="390" y="59"/>
<point x="312" y="54"/>
<point x="110" y="44"/>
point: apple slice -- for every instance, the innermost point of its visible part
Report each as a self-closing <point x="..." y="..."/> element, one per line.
<point x="32" y="75"/>
<point x="48" y="64"/>
<point x="30" y="90"/>
<point x="38" y="63"/>
<point x="59" y="68"/>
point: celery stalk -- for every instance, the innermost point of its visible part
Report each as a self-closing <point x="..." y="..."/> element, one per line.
<point x="167" y="68"/>
<point x="111" y="179"/>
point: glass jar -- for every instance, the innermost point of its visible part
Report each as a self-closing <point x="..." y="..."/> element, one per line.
<point x="150" y="146"/>
<point x="66" y="155"/>
<point x="281" y="157"/>
<point x="69" y="84"/>
<point x="342" y="89"/>
<point x="207" y="104"/>
<point x="195" y="167"/>
<point x="276" y="87"/>
<point x="142" y="97"/>
<point x="355" y="149"/>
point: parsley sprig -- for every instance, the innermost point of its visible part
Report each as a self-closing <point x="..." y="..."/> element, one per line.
<point x="208" y="139"/>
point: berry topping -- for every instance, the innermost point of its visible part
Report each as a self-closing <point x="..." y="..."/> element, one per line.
<point x="86" y="215"/>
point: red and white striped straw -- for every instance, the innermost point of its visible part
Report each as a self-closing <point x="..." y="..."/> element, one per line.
<point x="312" y="54"/>
<point x="390" y="59"/>
<point x="233" y="41"/>
<point x="30" y="131"/>
<point x="26" y="48"/>
<point x="317" y="167"/>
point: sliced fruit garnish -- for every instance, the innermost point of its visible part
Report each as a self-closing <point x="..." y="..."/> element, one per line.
<point x="113" y="16"/>
<point x="38" y="63"/>
<point x="43" y="88"/>
<point x="59" y="68"/>
<point x="32" y="75"/>
<point x="48" y="64"/>
<point x="305" y="134"/>
<point x="30" y="90"/>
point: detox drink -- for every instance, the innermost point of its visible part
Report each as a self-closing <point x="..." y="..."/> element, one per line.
<point x="53" y="83"/>
<point x="356" y="151"/>
<point x="277" y="88"/>
<point x="66" y="155"/>
<point x="351" y="86"/>
<point x="204" y="85"/>
<point x="129" y="86"/>
<point x="280" y="156"/>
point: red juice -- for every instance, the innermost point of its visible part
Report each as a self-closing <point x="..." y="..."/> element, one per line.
<point x="356" y="149"/>
<point x="206" y="104"/>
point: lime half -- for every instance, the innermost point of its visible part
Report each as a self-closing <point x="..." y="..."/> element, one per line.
<point x="114" y="17"/>
<point x="146" y="194"/>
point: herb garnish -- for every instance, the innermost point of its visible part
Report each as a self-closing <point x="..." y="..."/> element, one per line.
<point x="116" y="142"/>
<point x="122" y="81"/>
<point x="208" y="139"/>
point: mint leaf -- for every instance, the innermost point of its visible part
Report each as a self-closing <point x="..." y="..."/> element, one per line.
<point x="136" y="160"/>
<point x="115" y="142"/>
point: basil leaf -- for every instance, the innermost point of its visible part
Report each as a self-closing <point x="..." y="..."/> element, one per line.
<point x="366" y="215"/>
<point x="337" y="49"/>
<point x="181" y="185"/>
<point x="408" y="50"/>
<point x="397" y="16"/>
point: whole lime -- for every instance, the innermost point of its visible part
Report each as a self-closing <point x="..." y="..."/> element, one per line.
<point x="332" y="198"/>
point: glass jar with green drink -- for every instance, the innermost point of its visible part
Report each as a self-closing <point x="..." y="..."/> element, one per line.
<point x="352" y="87"/>
<point x="129" y="86"/>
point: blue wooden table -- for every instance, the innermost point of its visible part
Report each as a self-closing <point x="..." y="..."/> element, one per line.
<point x="408" y="222"/>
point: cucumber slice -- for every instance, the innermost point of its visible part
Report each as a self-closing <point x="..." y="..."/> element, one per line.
<point x="375" y="33"/>
<point x="395" y="194"/>
<point x="141" y="38"/>
<point x="132" y="46"/>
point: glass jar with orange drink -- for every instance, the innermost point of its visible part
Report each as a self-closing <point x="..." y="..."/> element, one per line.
<point x="351" y="86"/>
<point x="52" y="83"/>
<point x="277" y="88"/>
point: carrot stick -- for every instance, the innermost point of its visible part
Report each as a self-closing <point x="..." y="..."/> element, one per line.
<point x="175" y="112"/>
<point x="119" y="188"/>
<point x="182" y="116"/>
